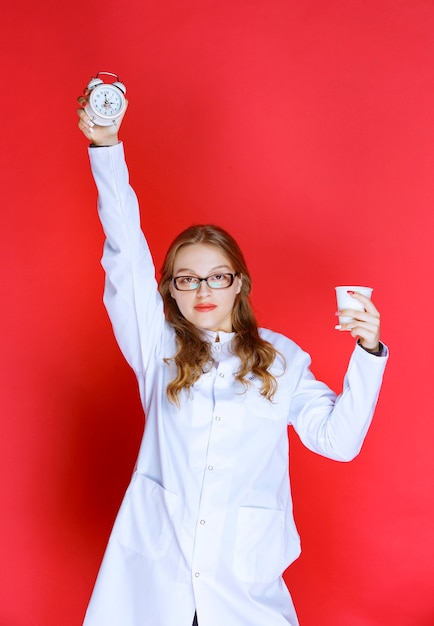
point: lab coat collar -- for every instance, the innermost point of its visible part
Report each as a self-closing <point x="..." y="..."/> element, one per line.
<point x="219" y="336"/>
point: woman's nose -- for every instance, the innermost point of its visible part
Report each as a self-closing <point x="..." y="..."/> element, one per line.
<point x="203" y="289"/>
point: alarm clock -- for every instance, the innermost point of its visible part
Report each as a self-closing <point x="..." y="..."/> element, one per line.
<point x="106" y="102"/>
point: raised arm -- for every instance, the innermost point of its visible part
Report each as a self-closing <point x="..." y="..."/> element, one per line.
<point x="131" y="295"/>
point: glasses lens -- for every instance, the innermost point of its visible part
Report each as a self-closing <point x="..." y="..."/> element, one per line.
<point x="220" y="281"/>
<point x="186" y="283"/>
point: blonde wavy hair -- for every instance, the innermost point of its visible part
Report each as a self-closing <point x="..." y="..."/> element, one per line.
<point x="193" y="355"/>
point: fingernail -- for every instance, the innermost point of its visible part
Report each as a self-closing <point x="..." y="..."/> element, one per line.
<point x="338" y="327"/>
<point x="350" y="292"/>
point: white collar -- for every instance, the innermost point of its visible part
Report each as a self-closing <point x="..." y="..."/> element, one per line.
<point x="219" y="336"/>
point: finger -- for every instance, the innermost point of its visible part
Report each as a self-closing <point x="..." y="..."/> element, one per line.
<point x="359" y="330"/>
<point x="359" y="316"/>
<point x="359" y="327"/>
<point x="368" y="333"/>
<point x="354" y="314"/>
<point x="86" y="126"/>
<point x="87" y="132"/>
<point x="84" y="117"/>
<point x="368" y="340"/>
<point x="82" y="114"/>
<point x="367" y="302"/>
<point x="365" y="321"/>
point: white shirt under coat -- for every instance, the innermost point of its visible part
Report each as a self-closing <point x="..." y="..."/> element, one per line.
<point x="206" y="523"/>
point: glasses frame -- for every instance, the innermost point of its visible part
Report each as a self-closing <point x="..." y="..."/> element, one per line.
<point x="232" y="275"/>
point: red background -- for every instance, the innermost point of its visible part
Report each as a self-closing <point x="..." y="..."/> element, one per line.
<point x="306" y="129"/>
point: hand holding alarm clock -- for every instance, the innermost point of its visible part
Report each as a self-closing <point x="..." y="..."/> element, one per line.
<point x="103" y="106"/>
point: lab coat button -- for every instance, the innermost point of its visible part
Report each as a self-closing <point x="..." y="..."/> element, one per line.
<point x="221" y="375"/>
<point x="218" y="418"/>
<point x="210" y="467"/>
<point x="202" y="521"/>
<point x="197" y="574"/>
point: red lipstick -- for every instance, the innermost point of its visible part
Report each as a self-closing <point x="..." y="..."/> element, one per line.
<point x="203" y="308"/>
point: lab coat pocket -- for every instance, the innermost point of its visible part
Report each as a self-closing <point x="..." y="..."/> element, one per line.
<point x="145" y="519"/>
<point x="259" y="547"/>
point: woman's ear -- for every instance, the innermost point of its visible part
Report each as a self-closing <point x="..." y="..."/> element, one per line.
<point x="239" y="280"/>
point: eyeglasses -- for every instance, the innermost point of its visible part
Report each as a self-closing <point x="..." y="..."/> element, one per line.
<point x="216" y="281"/>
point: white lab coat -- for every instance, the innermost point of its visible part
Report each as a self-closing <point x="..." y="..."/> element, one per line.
<point x="206" y="523"/>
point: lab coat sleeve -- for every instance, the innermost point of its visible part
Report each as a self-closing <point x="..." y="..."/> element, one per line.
<point x="336" y="426"/>
<point x="131" y="296"/>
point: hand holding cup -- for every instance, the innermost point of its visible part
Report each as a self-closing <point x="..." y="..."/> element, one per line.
<point x="358" y="315"/>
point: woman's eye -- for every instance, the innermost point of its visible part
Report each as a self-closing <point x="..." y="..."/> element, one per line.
<point x="217" y="277"/>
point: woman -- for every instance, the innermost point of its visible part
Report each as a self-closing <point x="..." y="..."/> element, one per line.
<point x="206" y="529"/>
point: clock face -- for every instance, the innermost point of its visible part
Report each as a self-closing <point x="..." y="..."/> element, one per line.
<point x="106" y="101"/>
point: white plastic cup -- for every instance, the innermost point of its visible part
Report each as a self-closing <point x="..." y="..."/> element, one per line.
<point x="345" y="301"/>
